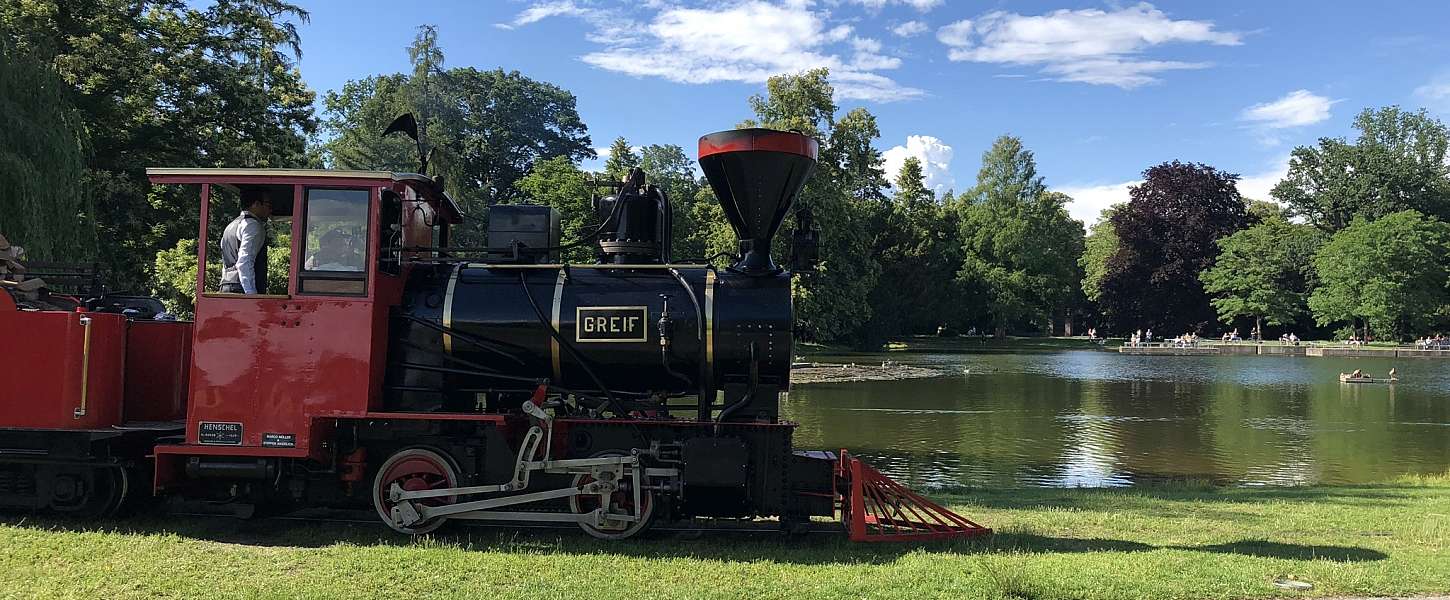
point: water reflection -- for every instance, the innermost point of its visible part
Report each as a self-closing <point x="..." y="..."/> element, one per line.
<point x="1095" y="419"/>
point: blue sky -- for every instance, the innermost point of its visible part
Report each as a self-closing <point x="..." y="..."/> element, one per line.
<point x="1099" y="91"/>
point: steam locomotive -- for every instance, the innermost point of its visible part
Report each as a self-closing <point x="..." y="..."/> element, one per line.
<point x="399" y="375"/>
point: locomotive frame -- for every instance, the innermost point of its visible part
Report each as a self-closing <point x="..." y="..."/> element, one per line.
<point x="376" y="387"/>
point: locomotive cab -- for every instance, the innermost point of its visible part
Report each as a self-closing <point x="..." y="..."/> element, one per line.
<point x="266" y="365"/>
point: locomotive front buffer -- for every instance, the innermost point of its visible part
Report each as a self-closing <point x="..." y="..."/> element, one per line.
<point x="390" y="369"/>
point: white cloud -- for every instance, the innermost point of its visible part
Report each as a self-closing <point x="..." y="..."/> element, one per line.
<point x="935" y="157"/>
<point x="1089" y="46"/>
<point x="608" y="24"/>
<point x="920" y="5"/>
<point x="1295" y="109"/>
<point x="1088" y="201"/>
<point x="1436" y="94"/>
<point x="868" y="56"/>
<point x="749" y="43"/>
<point x="544" y="10"/>
<point x="746" y="42"/>
<point x="909" y="29"/>
<point x="1256" y="187"/>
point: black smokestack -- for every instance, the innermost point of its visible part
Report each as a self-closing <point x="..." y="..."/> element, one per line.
<point x="756" y="175"/>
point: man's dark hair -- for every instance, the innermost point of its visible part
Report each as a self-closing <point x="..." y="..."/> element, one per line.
<point x="252" y="196"/>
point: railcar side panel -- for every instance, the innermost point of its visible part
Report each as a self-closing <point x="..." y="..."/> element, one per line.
<point x="157" y="355"/>
<point x="65" y="371"/>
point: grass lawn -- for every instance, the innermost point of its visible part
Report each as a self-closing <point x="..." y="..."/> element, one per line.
<point x="1168" y="542"/>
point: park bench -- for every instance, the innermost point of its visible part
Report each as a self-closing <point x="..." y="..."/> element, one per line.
<point x="82" y="280"/>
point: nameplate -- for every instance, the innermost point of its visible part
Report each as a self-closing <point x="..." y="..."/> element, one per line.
<point x="612" y="324"/>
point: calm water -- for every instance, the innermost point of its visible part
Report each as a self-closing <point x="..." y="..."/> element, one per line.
<point x="1093" y="418"/>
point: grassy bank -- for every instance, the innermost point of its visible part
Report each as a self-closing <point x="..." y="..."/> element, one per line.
<point x="1154" y="542"/>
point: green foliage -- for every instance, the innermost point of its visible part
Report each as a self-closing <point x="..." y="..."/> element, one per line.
<point x="621" y="159"/>
<point x="484" y="130"/>
<point x="1100" y="245"/>
<point x="909" y="292"/>
<point x="1020" y="247"/>
<point x="1265" y="271"/>
<point x="669" y="168"/>
<point x="152" y="82"/>
<point x="1263" y="210"/>
<point x="175" y="268"/>
<point x="832" y="305"/>
<point x="44" y="205"/>
<point x="714" y="235"/>
<point x="1397" y="163"/>
<point x="1391" y="273"/>
<point x="559" y="183"/>
<point x="175" y="280"/>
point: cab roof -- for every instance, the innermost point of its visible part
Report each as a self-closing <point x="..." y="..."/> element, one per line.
<point x="427" y="187"/>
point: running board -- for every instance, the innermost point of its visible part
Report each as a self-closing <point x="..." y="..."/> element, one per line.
<point x="876" y="509"/>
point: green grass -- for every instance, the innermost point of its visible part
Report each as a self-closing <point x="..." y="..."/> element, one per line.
<point x="1180" y="541"/>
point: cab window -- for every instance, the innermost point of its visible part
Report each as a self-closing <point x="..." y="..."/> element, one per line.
<point x="336" y="244"/>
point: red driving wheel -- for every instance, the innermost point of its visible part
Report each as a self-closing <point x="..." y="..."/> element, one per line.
<point x="621" y="501"/>
<point x="414" y="469"/>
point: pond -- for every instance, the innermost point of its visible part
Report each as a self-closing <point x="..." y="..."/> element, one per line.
<point x="1092" y="418"/>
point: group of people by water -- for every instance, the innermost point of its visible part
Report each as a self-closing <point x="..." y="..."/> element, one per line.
<point x="1140" y="339"/>
<point x="1439" y="342"/>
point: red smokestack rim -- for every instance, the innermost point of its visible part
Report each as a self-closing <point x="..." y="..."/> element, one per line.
<point x="768" y="140"/>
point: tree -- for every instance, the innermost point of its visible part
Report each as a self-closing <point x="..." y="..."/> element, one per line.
<point x="621" y="159"/>
<point x="1100" y="245"/>
<point x="1390" y="273"/>
<point x="920" y="252"/>
<point x="1166" y="234"/>
<point x="832" y="305"/>
<point x="669" y="168"/>
<point x="910" y="185"/>
<point x="559" y="183"/>
<point x="1397" y="163"/>
<point x="427" y="59"/>
<point x="1020" y="247"/>
<point x="156" y="82"/>
<point x="1264" y="272"/>
<point x="486" y="129"/>
<point x="43" y="204"/>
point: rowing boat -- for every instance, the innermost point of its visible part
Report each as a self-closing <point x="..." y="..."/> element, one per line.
<point x="1346" y="378"/>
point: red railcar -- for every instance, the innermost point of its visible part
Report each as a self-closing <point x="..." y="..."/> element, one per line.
<point x="389" y="372"/>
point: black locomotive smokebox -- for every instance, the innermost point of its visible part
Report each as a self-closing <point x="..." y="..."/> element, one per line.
<point x="756" y="175"/>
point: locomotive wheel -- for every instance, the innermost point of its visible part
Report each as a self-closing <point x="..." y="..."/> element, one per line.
<point x="621" y="500"/>
<point x="94" y="497"/>
<point x="414" y="469"/>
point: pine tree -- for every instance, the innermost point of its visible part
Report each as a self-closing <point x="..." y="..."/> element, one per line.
<point x="621" y="159"/>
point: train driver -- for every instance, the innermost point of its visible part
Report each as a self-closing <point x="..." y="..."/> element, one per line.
<point x="244" y="246"/>
<point x="335" y="253"/>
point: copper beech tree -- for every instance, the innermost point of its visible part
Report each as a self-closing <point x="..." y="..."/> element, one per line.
<point x="1166" y="238"/>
